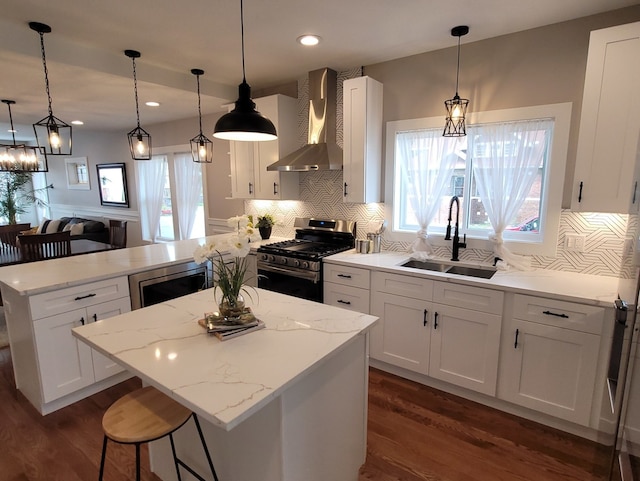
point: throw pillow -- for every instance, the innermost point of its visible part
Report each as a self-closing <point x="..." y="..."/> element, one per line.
<point x="77" y="229"/>
<point x="52" y="226"/>
<point x="43" y="225"/>
<point x="31" y="231"/>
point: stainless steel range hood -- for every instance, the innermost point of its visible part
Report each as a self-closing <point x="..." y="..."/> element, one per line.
<point x="321" y="152"/>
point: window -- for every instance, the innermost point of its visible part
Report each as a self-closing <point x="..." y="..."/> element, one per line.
<point x="426" y="169"/>
<point x="171" y="195"/>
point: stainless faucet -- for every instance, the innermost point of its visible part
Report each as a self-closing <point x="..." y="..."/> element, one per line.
<point x="456" y="237"/>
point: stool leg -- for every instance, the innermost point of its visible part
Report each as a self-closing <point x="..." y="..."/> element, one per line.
<point x="137" y="461"/>
<point x="175" y="457"/>
<point x="204" y="446"/>
<point x="104" y="455"/>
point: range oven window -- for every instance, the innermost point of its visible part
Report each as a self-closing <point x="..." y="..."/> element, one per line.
<point x="290" y="285"/>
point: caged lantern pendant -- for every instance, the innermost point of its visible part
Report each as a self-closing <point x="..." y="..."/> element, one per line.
<point x="456" y="107"/>
<point x="139" y="139"/>
<point x="201" y="146"/>
<point x="244" y="122"/>
<point x="52" y="134"/>
<point x="20" y="157"/>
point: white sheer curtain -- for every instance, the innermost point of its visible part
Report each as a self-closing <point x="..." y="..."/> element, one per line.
<point x="505" y="164"/>
<point x="427" y="161"/>
<point x="39" y="181"/>
<point x="151" y="179"/>
<point x="188" y="176"/>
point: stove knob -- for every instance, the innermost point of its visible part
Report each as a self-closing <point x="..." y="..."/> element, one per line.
<point x="264" y="257"/>
<point x="305" y="265"/>
<point x="283" y="260"/>
<point x="296" y="263"/>
<point x="271" y="258"/>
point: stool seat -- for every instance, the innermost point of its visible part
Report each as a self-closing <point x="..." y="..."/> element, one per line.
<point x="142" y="416"/>
<point x="145" y="415"/>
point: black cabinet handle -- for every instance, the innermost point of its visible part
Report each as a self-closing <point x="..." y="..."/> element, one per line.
<point x="424" y="318"/>
<point x="549" y="313"/>
<point x="435" y="320"/>
<point x="275" y="188"/>
<point x="515" y="344"/>
<point x="82" y="321"/>
<point x="84" y="297"/>
<point x="95" y="318"/>
<point x="635" y="190"/>
<point x="250" y="188"/>
<point x="345" y="189"/>
<point x="344" y="276"/>
<point x="344" y="302"/>
<point x="580" y="192"/>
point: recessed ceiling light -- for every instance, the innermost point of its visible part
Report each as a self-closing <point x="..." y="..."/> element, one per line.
<point x="77" y="122"/>
<point x="152" y="104"/>
<point x="309" y="40"/>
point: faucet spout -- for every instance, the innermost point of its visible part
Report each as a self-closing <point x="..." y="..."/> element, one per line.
<point x="456" y="244"/>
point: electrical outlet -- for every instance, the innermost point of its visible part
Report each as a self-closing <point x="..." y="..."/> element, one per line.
<point x="575" y="242"/>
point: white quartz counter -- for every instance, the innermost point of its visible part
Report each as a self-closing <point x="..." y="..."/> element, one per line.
<point x="37" y="277"/>
<point x="225" y="382"/>
<point x="585" y="288"/>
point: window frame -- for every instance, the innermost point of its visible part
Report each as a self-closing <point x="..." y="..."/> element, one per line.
<point x="553" y="182"/>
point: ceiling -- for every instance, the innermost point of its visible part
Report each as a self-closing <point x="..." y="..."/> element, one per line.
<point x="91" y="78"/>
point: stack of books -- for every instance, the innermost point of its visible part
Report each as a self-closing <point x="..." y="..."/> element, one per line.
<point x="229" y="327"/>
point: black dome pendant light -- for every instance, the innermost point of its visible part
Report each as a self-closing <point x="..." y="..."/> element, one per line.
<point x="244" y="122"/>
<point x="456" y="107"/>
<point x="139" y="139"/>
<point x="201" y="146"/>
<point x="52" y="134"/>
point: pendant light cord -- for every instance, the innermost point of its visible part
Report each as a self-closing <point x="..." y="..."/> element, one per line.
<point x="46" y="72"/>
<point x="458" y="67"/>
<point x="13" y="132"/>
<point x="244" y="78"/>
<point x="199" y="111"/>
<point x="135" y="89"/>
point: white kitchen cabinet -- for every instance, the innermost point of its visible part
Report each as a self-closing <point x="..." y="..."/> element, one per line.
<point x="606" y="175"/>
<point x="250" y="178"/>
<point x="66" y="364"/>
<point x="550" y="357"/>
<point x="362" y="140"/>
<point x="346" y="287"/>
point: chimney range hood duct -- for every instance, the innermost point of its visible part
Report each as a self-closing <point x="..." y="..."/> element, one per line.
<point x="322" y="151"/>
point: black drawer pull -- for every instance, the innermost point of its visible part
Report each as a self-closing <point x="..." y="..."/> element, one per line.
<point x="435" y="320"/>
<point x="580" y="193"/>
<point x="549" y="313"/>
<point x="344" y="276"/>
<point x="79" y="298"/>
<point x="424" y="318"/>
<point x="344" y="302"/>
<point x="275" y="188"/>
<point x="515" y="344"/>
<point x="345" y="189"/>
<point x="95" y="318"/>
<point x="82" y="321"/>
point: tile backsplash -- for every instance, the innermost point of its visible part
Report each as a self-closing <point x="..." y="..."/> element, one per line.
<point x="609" y="237"/>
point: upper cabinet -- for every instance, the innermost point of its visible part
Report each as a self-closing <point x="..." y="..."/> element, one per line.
<point x="249" y="160"/>
<point x="362" y="139"/>
<point x="606" y="175"/>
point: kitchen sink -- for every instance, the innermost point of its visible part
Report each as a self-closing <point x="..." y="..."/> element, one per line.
<point x="427" y="265"/>
<point x="482" y="272"/>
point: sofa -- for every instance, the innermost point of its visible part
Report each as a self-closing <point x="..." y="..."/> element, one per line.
<point x="80" y="228"/>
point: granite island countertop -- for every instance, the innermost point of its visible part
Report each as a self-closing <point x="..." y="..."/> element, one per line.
<point x="568" y="286"/>
<point x="37" y="277"/>
<point x="225" y="381"/>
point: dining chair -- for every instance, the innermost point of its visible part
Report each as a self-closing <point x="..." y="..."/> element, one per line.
<point x="118" y="233"/>
<point x="39" y="247"/>
<point x="8" y="234"/>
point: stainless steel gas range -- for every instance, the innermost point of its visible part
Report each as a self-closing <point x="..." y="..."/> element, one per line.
<point x="294" y="266"/>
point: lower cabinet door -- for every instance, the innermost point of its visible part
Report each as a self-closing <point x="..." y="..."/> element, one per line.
<point x="550" y="369"/>
<point x="103" y="367"/>
<point x="464" y="348"/>
<point x="401" y="336"/>
<point x="65" y="363"/>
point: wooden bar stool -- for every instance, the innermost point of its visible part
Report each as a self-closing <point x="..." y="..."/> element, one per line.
<point x="146" y="415"/>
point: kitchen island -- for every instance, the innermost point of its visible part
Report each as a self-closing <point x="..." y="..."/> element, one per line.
<point x="287" y="402"/>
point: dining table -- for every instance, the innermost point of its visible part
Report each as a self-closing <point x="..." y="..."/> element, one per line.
<point x="13" y="256"/>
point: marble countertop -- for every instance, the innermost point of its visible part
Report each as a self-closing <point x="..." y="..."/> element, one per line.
<point x="37" y="277"/>
<point x="569" y="286"/>
<point x="225" y="382"/>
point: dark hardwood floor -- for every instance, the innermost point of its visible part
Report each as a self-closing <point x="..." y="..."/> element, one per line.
<point x="415" y="434"/>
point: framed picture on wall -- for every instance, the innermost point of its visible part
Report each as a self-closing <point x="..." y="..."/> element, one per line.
<point x="77" y="171"/>
<point x="112" y="181"/>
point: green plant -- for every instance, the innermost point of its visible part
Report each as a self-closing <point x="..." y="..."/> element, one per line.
<point x="14" y="199"/>
<point x="265" y="221"/>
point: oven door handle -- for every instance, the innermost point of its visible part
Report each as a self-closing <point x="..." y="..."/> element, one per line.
<point x="307" y="275"/>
